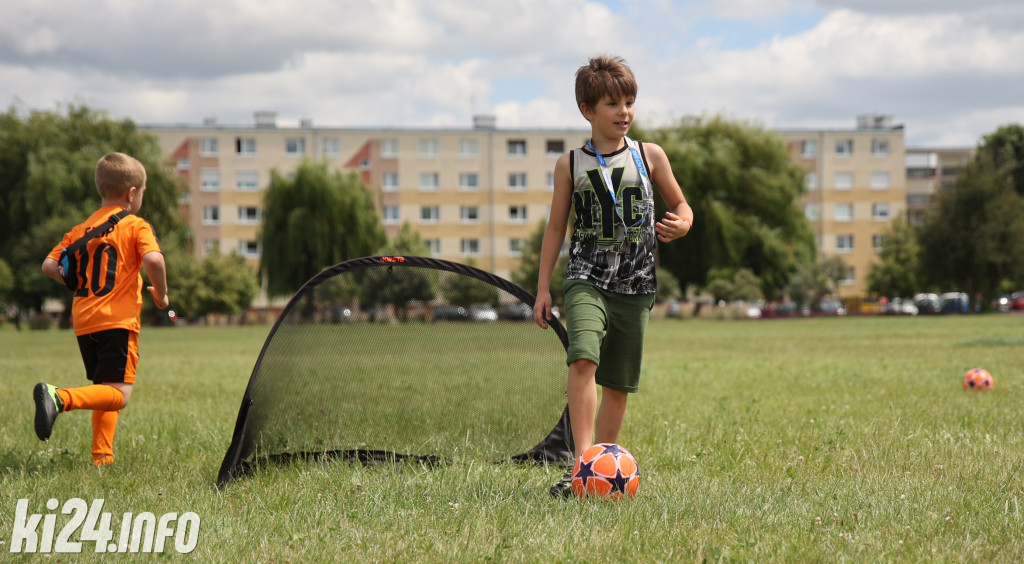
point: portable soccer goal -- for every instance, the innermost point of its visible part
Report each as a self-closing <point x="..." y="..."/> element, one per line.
<point x="393" y="358"/>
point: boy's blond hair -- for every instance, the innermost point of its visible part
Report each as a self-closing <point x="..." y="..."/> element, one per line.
<point x="603" y="75"/>
<point x="116" y="173"/>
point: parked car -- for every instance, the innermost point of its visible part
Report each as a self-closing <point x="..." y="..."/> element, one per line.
<point x="516" y="312"/>
<point x="900" y="306"/>
<point x="954" y="302"/>
<point x="451" y="313"/>
<point x="927" y="304"/>
<point x="483" y="312"/>
<point x="831" y="307"/>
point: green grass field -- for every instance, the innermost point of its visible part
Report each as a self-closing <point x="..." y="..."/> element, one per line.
<point x="807" y="440"/>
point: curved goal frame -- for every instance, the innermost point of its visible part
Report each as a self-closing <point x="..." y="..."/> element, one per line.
<point x="556" y="447"/>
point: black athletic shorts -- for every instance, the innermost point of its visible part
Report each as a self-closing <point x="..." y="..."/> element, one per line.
<point x="110" y="356"/>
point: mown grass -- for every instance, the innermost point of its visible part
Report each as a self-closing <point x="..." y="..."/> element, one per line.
<point x="806" y="440"/>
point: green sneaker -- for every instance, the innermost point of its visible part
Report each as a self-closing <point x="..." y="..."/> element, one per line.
<point x="48" y="405"/>
<point x="563" y="487"/>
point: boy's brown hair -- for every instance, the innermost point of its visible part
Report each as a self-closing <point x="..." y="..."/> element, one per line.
<point x="603" y="75"/>
<point x="116" y="173"/>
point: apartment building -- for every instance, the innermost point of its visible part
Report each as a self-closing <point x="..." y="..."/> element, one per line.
<point x="480" y="192"/>
<point x="471" y="193"/>
<point x="856" y="185"/>
<point x="928" y="171"/>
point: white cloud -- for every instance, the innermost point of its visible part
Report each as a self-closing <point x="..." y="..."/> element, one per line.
<point x="929" y="63"/>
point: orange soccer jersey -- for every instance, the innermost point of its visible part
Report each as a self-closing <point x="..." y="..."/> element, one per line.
<point x="109" y="294"/>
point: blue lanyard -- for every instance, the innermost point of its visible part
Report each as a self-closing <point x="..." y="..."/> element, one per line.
<point x="605" y="170"/>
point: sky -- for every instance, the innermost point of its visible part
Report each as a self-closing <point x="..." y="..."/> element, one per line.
<point x="950" y="71"/>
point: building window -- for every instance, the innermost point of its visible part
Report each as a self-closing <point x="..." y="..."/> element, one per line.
<point x="844" y="212"/>
<point x="808" y="148"/>
<point x="184" y="164"/>
<point x="390" y="215"/>
<point x="880" y="180"/>
<point x="517" y="214"/>
<point x="844" y="147"/>
<point x="245" y="146"/>
<point x="844" y="243"/>
<point x="811" y="180"/>
<point x="428" y="148"/>
<point x="850" y="279"/>
<point x="247" y="180"/>
<point x="515" y="247"/>
<point x="517" y="148"/>
<point x="430" y="214"/>
<point x="468" y="148"/>
<point x="429" y="181"/>
<point x="208" y="147"/>
<point x="249" y="249"/>
<point x="811" y="212"/>
<point x="209" y="180"/>
<point x="876" y="241"/>
<point x="331" y="147"/>
<point x="549" y="181"/>
<point x="469" y="181"/>
<point x="555" y="147"/>
<point x="389" y="148"/>
<point x="469" y="214"/>
<point x="517" y="181"/>
<point x="389" y="182"/>
<point x="210" y="246"/>
<point x="295" y="146"/>
<point x="880" y="147"/>
<point x="470" y="247"/>
<point x="248" y="215"/>
<point x="880" y="212"/>
<point x="434" y="246"/>
<point x="211" y="215"/>
<point x="844" y="180"/>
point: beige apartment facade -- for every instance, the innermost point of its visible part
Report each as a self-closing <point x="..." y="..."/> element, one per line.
<point x="856" y="186"/>
<point x="472" y="194"/>
<point x="478" y="193"/>
<point x="929" y="171"/>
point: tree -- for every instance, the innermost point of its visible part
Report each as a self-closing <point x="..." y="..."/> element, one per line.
<point x="744" y="188"/>
<point x="413" y="284"/>
<point x="219" y="283"/>
<point x="47" y="170"/>
<point x="529" y="266"/>
<point x="1006" y="149"/>
<point x="807" y="286"/>
<point x="973" y="235"/>
<point x="896" y="275"/>
<point x="313" y="222"/>
<point x="834" y="269"/>
<point x="466" y="291"/>
<point x="728" y="285"/>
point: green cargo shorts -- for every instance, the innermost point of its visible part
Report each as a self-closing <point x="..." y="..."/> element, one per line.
<point x="607" y="329"/>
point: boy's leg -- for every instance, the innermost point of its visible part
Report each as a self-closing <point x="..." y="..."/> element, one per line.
<point x="104" y="423"/>
<point x="582" y="394"/>
<point x="610" y="415"/>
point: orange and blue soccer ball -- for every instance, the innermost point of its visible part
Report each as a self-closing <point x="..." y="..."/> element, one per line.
<point x="978" y="379"/>
<point x="606" y="471"/>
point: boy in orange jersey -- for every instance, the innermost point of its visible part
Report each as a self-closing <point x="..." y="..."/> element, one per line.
<point x="107" y="304"/>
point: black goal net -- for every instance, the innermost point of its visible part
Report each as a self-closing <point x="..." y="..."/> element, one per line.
<point x="387" y="358"/>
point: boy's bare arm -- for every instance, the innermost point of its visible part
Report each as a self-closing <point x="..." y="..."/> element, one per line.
<point x="554" y="236"/>
<point x="679" y="217"/>
<point x="50" y="269"/>
<point x="157" y="271"/>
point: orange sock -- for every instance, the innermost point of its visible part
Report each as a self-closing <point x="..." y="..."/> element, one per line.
<point x="104" y="423"/>
<point x="97" y="396"/>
